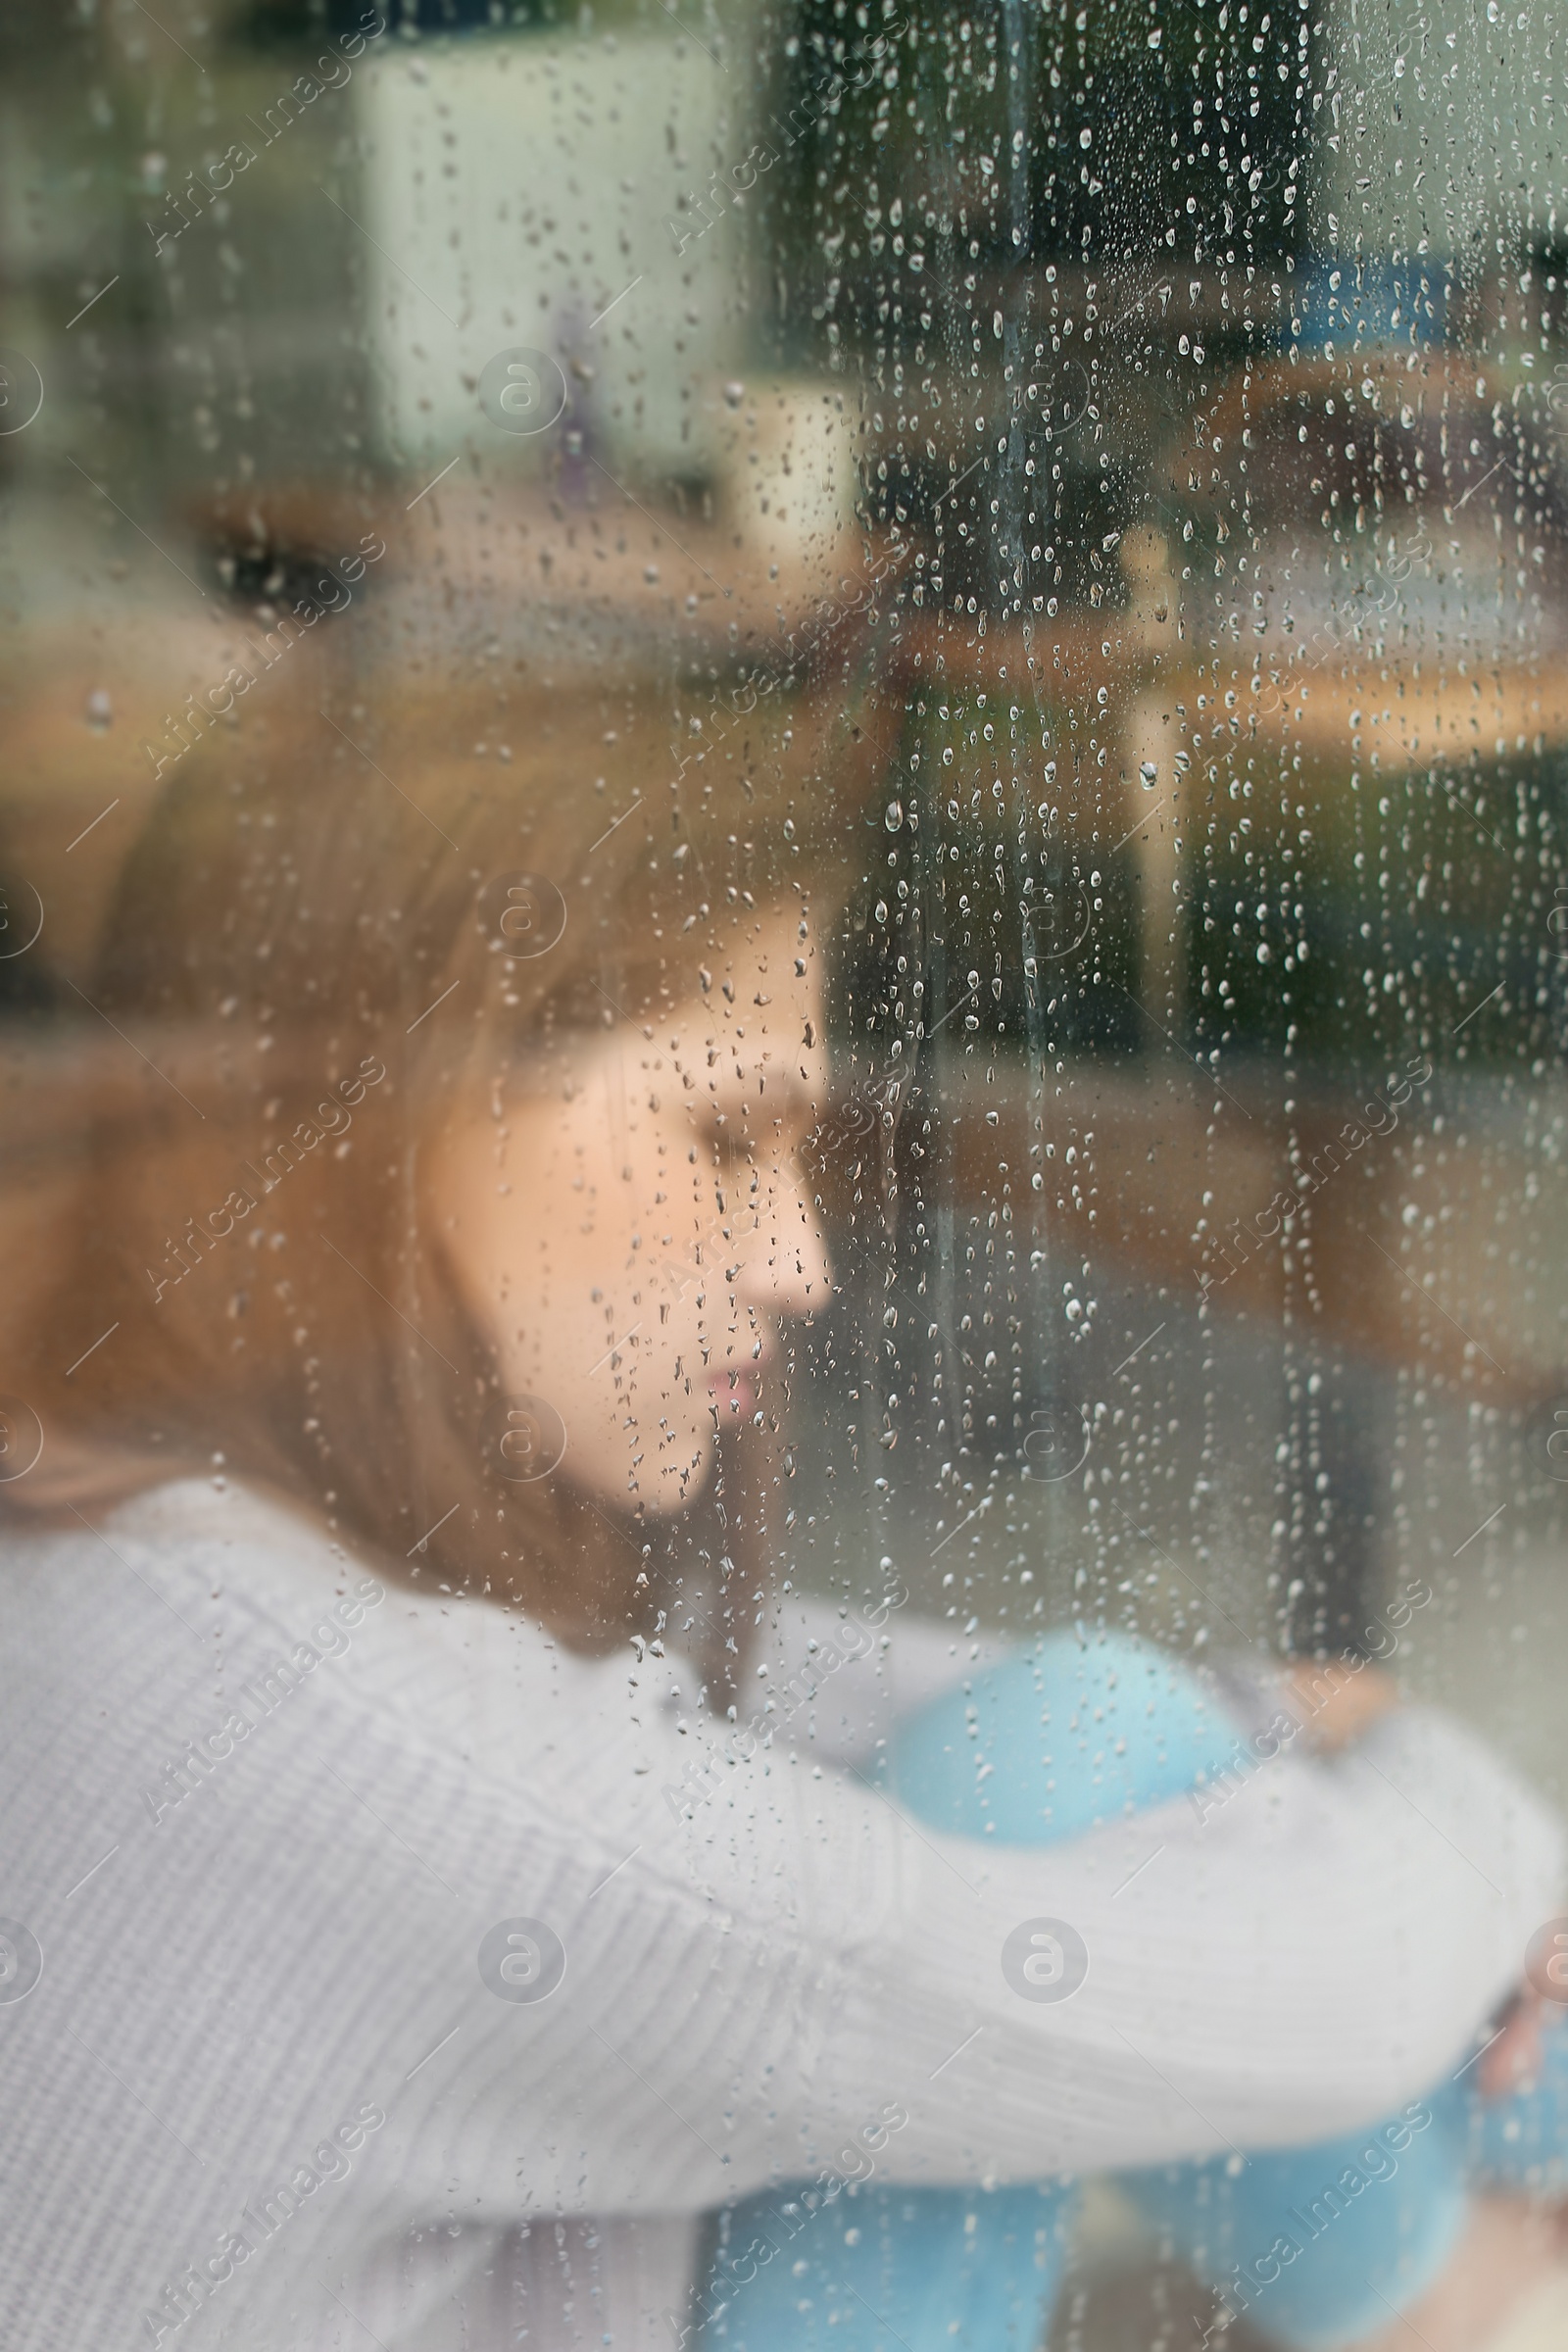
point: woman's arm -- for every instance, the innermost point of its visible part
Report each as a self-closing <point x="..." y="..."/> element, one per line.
<point x="1272" y="1968"/>
<point x="1264" y="1970"/>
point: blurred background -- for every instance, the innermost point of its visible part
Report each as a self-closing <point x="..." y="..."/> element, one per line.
<point x="1182" y="388"/>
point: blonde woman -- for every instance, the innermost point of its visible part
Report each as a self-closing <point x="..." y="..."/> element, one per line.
<point x="400" y="1947"/>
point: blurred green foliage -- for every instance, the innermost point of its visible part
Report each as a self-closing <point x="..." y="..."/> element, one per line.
<point x="1416" y="895"/>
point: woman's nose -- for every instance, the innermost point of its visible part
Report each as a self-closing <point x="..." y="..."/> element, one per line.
<point x="788" y="1271"/>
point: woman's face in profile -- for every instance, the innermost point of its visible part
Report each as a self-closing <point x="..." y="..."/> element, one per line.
<point x="632" y="1240"/>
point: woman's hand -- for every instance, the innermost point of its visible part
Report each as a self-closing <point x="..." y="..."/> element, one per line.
<point x="1338" y="1701"/>
<point x="1513" y="2060"/>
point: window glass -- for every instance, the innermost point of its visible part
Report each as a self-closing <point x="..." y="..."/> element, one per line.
<point x="782" y="977"/>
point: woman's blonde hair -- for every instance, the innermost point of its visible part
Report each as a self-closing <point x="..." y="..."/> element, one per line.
<point x="333" y="928"/>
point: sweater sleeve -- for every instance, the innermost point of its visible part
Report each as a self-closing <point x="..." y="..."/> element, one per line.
<point x="768" y="1948"/>
<point x="1300" y="1960"/>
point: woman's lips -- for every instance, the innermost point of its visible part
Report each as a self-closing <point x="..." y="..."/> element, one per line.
<point x="737" y="1393"/>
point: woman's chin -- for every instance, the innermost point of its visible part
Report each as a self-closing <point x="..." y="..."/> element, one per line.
<point x="675" y="1486"/>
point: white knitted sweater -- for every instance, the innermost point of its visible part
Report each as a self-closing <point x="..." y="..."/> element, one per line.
<point x="262" y="2094"/>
